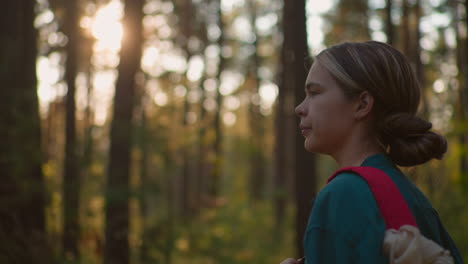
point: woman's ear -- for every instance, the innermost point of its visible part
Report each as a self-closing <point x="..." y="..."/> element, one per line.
<point x="364" y="105"/>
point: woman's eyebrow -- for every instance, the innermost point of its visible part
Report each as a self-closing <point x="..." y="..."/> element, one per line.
<point x="312" y="84"/>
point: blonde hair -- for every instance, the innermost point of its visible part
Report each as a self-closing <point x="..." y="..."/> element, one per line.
<point x="387" y="75"/>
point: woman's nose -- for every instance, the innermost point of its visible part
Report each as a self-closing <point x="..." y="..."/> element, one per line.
<point x="299" y="110"/>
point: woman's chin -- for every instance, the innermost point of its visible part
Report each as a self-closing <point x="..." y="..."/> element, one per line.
<point x="309" y="147"/>
<point x="312" y="146"/>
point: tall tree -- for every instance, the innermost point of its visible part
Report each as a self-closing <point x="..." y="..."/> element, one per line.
<point x="117" y="198"/>
<point x="203" y="144"/>
<point x="465" y="98"/>
<point x="257" y="164"/>
<point x="417" y="55"/>
<point x="203" y="149"/>
<point x="464" y="55"/>
<point x="280" y="152"/>
<point x="410" y="35"/>
<point x="462" y="106"/>
<point x="22" y="193"/>
<point x="389" y="28"/>
<point x="281" y="138"/>
<point x="71" y="184"/>
<point x="145" y="255"/>
<point x="350" y="22"/>
<point x="295" y="74"/>
<point x="188" y="20"/>
<point x="218" y="125"/>
<point x="465" y="72"/>
<point x="89" y="151"/>
<point x="405" y="27"/>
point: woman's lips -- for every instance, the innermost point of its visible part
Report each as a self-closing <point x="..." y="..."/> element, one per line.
<point x="305" y="130"/>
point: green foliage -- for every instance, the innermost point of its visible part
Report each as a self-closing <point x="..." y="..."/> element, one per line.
<point x="232" y="229"/>
<point x="236" y="232"/>
<point x="439" y="180"/>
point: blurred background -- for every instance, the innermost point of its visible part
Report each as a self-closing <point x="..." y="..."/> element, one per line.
<point x="159" y="131"/>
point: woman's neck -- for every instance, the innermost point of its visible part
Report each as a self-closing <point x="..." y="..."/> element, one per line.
<point x="356" y="151"/>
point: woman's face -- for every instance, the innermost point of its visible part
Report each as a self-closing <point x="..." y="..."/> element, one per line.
<point x="326" y="114"/>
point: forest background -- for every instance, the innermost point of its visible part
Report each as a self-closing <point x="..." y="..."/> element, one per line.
<point x="158" y="131"/>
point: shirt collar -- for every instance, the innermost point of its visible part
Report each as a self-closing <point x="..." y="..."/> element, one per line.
<point x="379" y="160"/>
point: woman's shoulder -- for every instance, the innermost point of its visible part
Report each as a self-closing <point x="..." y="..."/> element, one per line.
<point x="346" y="205"/>
<point x="348" y="192"/>
<point x="345" y="184"/>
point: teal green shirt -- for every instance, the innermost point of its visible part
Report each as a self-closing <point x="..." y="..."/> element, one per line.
<point x="345" y="225"/>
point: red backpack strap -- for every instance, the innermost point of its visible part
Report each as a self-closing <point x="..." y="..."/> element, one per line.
<point x="392" y="205"/>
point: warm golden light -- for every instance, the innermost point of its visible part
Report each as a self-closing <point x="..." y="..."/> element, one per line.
<point x="107" y="28"/>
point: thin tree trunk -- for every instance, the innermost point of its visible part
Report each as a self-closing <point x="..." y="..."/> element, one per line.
<point x="23" y="236"/>
<point x="71" y="184"/>
<point x="465" y="71"/>
<point x="203" y="141"/>
<point x="184" y="184"/>
<point x="218" y="149"/>
<point x="170" y="234"/>
<point x="88" y="148"/>
<point x="464" y="166"/>
<point x="257" y="166"/>
<point x="88" y="120"/>
<point x="185" y="192"/>
<point x="350" y="22"/>
<point x="87" y="53"/>
<point x="146" y="184"/>
<point x="117" y="199"/>
<point x="389" y="23"/>
<point x="281" y="141"/>
<point x="296" y="73"/>
<point x="200" y="180"/>
<point x="461" y="52"/>
<point x="279" y="181"/>
<point x="406" y="36"/>
<point x="419" y="68"/>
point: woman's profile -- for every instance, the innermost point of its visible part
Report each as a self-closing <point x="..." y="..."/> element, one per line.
<point x="360" y="108"/>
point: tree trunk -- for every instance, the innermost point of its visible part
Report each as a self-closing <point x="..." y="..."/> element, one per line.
<point x="22" y="226"/>
<point x="465" y="100"/>
<point x="145" y="186"/>
<point x="465" y="70"/>
<point x="295" y="41"/>
<point x="281" y="140"/>
<point x="389" y="23"/>
<point x="117" y="196"/>
<point x="464" y="160"/>
<point x="201" y="177"/>
<point x="405" y="28"/>
<point x="183" y="185"/>
<point x="202" y="166"/>
<point x="186" y="191"/>
<point x="415" y="57"/>
<point x="350" y="22"/>
<point x="217" y="146"/>
<point x="202" y="149"/>
<point x="71" y="183"/>
<point x="462" y="109"/>
<point x="257" y="166"/>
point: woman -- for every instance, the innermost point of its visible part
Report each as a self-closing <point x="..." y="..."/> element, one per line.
<point x="360" y="108"/>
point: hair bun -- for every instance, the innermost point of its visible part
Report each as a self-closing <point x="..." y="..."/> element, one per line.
<point x="404" y="125"/>
<point x="410" y="141"/>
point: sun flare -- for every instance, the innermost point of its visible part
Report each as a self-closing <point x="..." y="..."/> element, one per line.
<point x="107" y="28"/>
